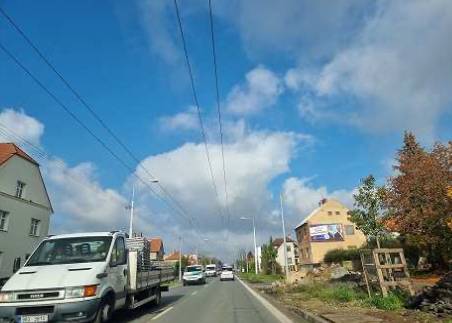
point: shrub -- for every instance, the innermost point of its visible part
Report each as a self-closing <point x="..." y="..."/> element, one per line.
<point x="339" y="255"/>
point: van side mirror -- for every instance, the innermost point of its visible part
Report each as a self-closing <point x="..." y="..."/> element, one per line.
<point x="16" y="264"/>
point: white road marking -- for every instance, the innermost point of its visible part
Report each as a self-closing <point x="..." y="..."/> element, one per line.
<point x="162" y="313"/>
<point x="276" y="313"/>
<point x="195" y="292"/>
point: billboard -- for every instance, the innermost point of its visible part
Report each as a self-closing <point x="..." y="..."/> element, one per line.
<point x="326" y="232"/>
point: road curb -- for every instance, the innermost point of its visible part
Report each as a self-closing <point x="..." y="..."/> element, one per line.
<point x="280" y="316"/>
<point x="306" y="315"/>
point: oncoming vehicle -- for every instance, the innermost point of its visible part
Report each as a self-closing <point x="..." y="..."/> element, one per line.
<point x="211" y="270"/>
<point x="194" y="275"/>
<point x="80" y="278"/>
<point x="227" y="273"/>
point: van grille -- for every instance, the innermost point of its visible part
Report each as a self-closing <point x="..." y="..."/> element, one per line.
<point x="39" y="295"/>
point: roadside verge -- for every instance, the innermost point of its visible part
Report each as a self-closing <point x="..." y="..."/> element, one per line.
<point x="270" y="303"/>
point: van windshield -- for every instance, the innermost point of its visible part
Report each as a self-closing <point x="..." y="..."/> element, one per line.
<point x="70" y="251"/>
<point x="211" y="267"/>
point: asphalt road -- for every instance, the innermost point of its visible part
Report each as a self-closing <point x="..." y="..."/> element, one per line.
<point x="219" y="302"/>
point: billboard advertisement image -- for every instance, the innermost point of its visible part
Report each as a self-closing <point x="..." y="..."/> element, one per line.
<point x="326" y="232"/>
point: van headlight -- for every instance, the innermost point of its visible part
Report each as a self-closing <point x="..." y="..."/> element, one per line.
<point x="81" y="291"/>
<point x="6" y="297"/>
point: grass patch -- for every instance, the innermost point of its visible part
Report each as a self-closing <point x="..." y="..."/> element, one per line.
<point x="260" y="278"/>
<point x="392" y="302"/>
<point x="346" y="293"/>
<point x="336" y="293"/>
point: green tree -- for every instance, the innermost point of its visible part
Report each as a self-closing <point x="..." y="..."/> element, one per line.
<point x="369" y="209"/>
<point x="184" y="261"/>
<point x="268" y="258"/>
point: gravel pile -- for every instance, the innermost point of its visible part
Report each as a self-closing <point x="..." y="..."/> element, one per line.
<point x="436" y="299"/>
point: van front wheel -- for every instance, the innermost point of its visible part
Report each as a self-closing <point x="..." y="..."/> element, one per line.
<point x="104" y="311"/>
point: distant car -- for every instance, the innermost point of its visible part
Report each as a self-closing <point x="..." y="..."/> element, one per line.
<point x="194" y="275"/>
<point x="211" y="270"/>
<point x="227" y="273"/>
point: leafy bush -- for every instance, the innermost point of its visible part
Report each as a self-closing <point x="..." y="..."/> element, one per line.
<point x="339" y="255"/>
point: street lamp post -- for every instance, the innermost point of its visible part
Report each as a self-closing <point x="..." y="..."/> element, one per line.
<point x="180" y="258"/>
<point x="286" y="267"/>
<point x="132" y="205"/>
<point x="254" y="239"/>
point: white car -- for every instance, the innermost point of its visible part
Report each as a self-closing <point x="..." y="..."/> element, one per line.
<point x="211" y="270"/>
<point x="194" y="275"/>
<point x="227" y="274"/>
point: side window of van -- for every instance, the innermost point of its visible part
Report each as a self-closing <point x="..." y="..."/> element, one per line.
<point x="118" y="254"/>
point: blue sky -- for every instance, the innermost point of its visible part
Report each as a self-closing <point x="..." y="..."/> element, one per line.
<point x="318" y="94"/>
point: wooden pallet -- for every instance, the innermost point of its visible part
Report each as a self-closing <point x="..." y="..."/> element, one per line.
<point x="388" y="267"/>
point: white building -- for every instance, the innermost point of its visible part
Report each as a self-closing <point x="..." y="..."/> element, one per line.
<point x="25" y="207"/>
<point x="292" y="253"/>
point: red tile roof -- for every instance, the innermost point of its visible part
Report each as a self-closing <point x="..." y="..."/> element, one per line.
<point x="156" y="244"/>
<point x="173" y="256"/>
<point x="8" y="150"/>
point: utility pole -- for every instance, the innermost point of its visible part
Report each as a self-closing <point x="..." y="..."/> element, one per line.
<point x="131" y="212"/>
<point x="286" y="267"/>
<point x="255" y="246"/>
<point x="180" y="258"/>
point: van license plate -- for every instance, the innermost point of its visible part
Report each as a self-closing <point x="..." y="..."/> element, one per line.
<point x="33" y="318"/>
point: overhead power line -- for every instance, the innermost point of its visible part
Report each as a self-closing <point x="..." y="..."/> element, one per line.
<point x="217" y="95"/>
<point x="196" y="102"/>
<point x="87" y="129"/>
<point x="88" y="107"/>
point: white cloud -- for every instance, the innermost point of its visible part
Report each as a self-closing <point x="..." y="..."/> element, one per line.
<point x="301" y="198"/>
<point x="312" y="30"/>
<point x="398" y="68"/>
<point x="22" y="125"/>
<point x="157" y="19"/>
<point x="187" y="120"/>
<point x="79" y="200"/>
<point x="261" y="90"/>
<point x="252" y="161"/>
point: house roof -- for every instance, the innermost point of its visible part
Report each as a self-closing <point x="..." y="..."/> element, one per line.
<point x="173" y="256"/>
<point x="279" y="241"/>
<point x="156" y="244"/>
<point x="8" y="150"/>
<point x="323" y="203"/>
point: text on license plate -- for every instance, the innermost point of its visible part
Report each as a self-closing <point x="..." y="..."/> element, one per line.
<point x="33" y="318"/>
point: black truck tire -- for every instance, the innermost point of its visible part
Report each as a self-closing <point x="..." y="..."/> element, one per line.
<point x="105" y="311"/>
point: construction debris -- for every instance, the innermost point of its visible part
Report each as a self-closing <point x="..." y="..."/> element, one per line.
<point x="436" y="299"/>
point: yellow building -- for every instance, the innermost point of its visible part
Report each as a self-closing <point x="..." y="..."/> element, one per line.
<point x="326" y="228"/>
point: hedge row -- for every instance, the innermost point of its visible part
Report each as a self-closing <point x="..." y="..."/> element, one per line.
<point x="339" y="255"/>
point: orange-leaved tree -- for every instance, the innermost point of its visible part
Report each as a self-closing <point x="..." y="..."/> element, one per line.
<point x="417" y="198"/>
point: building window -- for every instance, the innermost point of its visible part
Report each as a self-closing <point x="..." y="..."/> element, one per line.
<point x="349" y="230"/>
<point x="338" y="213"/>
<point x="330" y="212"/>
<point x="288" y="249"/>
<point x="3" y="220"/>
<point x="289" y="261"/>
<point x="34" y="228"/>
<point x="20" y="189"/>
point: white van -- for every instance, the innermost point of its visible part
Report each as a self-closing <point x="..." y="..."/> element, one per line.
<point x="80" y="278"/>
